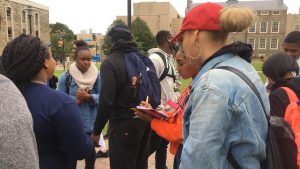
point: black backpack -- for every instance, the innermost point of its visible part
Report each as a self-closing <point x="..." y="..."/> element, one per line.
<point x="279" y="131"/>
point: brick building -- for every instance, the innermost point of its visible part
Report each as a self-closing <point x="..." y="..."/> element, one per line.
<point x="23" y="16"/>
<point x="293" y="22"/>
<point x="267" y="32"/>
<point x="157" y="15"/>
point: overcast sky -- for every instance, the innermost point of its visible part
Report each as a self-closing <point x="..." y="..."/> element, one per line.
<point x="99" y="14"/>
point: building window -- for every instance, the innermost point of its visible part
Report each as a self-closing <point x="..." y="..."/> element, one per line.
<point x="9" y="33"/>
<point x="252" y="28"/>
<point x="9" y="24"/>
<point x="37" y="33"/>
<point x="23" y="16"/>
<point x="36" y="18"/>
<point x="275" y="27"/>
<point x="264" y="12"/>
<point x="275" y="12"/>
<point x="297" y="27"/>
<point x="263" y="27"/>
<point x="254" y="12"/>
<point x="262" y="43"/>
<point x="8" y="11"/>
<point x="24" y="31"/>
<point x="274" y="43"/>
<point x="251" y="41"/>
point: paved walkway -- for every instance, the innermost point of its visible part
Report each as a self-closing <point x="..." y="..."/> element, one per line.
<point x="103" y="163"/>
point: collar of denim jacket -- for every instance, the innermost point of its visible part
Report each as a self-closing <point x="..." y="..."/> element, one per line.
<point x="209" y="65"/>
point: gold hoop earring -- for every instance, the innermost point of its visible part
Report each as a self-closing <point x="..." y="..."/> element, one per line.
<point x="194" y="45"/>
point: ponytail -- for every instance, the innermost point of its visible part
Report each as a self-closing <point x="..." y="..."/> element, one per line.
<point x="235" y="19"/>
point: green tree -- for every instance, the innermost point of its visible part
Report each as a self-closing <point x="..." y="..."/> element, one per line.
<point x="142" y="35"/>
<point x="107" y="43"/>
<point x="61" y="33"/>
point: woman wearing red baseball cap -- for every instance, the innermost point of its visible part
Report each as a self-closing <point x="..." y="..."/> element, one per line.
<point x="223" y="116"/>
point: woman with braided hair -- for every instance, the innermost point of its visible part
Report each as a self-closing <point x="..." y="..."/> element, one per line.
<point x="57" y="120"/>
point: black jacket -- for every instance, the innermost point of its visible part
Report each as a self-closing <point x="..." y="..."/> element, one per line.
<point x="114" y="99"/>
<point x="279" y="99"/>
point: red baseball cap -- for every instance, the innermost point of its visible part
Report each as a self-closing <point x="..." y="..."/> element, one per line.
<point x="202" y="17"/>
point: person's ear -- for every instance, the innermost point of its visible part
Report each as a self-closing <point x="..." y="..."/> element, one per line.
<point x="46" y="65"/>
<point x="196" y="36"/>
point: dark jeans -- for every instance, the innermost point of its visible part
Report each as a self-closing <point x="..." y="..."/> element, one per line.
<point x="129" y="144"/>
<point x="89" y="160"/>
<point x="160" y="146"/>
<point x="177" y="158"/>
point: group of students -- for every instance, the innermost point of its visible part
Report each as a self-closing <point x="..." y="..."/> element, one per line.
<point x="218" y="115"/>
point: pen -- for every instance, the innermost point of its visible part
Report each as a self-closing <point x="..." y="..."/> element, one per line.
<point x="147" y="98"/>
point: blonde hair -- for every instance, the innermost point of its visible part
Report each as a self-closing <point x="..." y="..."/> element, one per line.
<point x="235" y="19"/>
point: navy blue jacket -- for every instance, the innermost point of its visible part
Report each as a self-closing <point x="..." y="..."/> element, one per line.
<point x="58" y="127"/>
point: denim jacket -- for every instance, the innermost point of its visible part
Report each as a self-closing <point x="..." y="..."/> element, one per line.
<point x="88" y="109"/>
<point x="222" y="114"/>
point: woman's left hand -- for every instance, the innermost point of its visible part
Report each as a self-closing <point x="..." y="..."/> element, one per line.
<point x="83" y="95"/>
<point x="143" y="116"/>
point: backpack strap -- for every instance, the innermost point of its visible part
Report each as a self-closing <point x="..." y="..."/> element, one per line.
<point x="68" y="80"/>
<point x="291" y="94"/>
<point x="166" y="70"/>
<point x="290" y="109"/>
<point x="167" y="67"/>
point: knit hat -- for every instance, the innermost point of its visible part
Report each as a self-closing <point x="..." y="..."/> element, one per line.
<point x="23" y="58"/>
<point x="118" y="32"/>
<point x="202" y="17"/>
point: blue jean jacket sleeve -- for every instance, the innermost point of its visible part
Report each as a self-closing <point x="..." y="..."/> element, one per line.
<point x="96" y="92"/>
<point x="207" y="130"/>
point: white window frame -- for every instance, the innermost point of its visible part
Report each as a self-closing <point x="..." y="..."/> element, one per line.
<point x="12" y="23"/>
<point x="25" y="23"/>
<point x="254" y="28"/>
<point x="253" y="46"/>
<point x="264" y="12"/>
<point x="266" y="27"/>
<point x="271" y="43"/>
<point x="278" y="27"/>
<point x="273" y="13"/>
<point x="37" y="27"/>
<point x="260" y="43"/>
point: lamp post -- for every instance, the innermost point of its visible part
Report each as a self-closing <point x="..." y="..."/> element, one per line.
<point x="129" y="14"/>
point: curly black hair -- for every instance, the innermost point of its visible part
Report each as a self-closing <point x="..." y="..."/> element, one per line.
<point x="23" y="58"/>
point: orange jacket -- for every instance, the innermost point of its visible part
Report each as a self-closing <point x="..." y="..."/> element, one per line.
<point x="171" y="130"/>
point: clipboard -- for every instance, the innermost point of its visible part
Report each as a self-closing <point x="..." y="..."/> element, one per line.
<point x="154" y="113"/>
